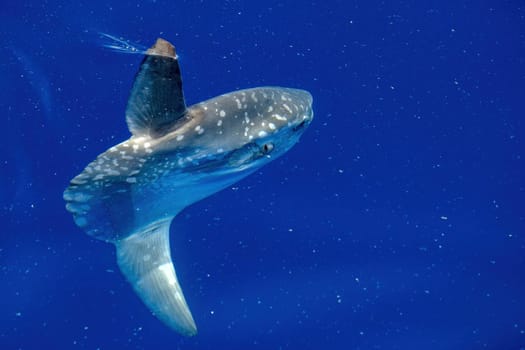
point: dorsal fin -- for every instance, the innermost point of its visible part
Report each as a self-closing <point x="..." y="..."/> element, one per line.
<point x="156" y="101"/>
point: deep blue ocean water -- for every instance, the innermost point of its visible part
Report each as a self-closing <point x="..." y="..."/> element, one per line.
<point x="397" y="222"/>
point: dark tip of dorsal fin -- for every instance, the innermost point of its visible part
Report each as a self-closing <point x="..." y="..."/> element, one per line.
<point x="162" y="48"/>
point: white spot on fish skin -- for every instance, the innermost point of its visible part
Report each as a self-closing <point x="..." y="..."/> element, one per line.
<point x="131" y="180"/>
<point x="80" y="182"/>
<point x="113" y="149"/>
<point x="271" y="126"/>
<point x="199" y="129"/>
<point x="220" y="150"/>
<point x="270" y="109"/>
<point x="149" y="150"/>
<point x="98" y="177"/>
<point x="279" y="117"/>
<point x="222" y="114"/>
<point x="254" y="98"/>
<point x="147" y="145"/>
<point x="287" y="108"/>
<point x="262" y="133"/>
<point x="135" y="147"/>
<point x="247" y="120"/>
<point x="180" y="137"/>
<point x="238" y="102"/>
<point x="283" y="98"/>
<point x="77" y="196"/>
<point x="219" y="122"/>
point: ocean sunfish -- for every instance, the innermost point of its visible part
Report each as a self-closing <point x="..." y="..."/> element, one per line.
<point x="176" y="156"/>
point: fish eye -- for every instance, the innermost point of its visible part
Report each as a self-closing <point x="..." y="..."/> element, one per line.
<point x="267" y="147"/>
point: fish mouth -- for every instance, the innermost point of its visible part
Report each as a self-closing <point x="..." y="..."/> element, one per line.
<point x="302" y="125"/>
<point x="304" y="122"/>
<point x="304" y="98"/>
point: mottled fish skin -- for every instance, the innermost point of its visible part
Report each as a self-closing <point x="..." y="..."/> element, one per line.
<point x="177" y="156"/>
<point x="144" y="168"/>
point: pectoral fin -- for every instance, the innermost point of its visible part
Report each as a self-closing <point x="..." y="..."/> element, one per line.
<point x="144" y="258"/>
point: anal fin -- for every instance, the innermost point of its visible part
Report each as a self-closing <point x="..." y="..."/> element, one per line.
<point x="144" y="258"/>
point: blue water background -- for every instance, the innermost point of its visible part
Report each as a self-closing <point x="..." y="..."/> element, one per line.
<point x="398" y="221"/>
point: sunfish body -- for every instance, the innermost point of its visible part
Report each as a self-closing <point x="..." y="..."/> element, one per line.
<point x="176" y="156"/>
